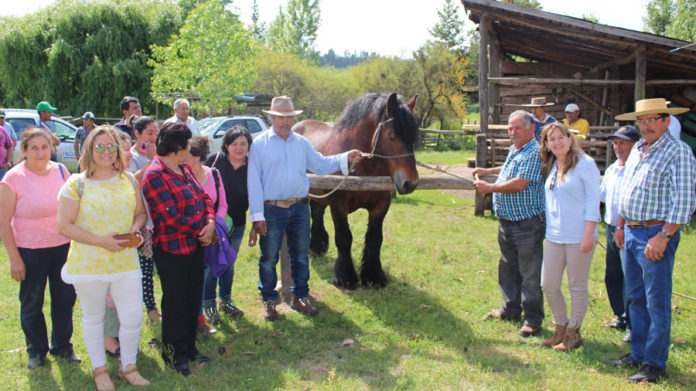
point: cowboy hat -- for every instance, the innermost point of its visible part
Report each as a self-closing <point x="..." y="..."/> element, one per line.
<point x="539" y="101"/>
<point x="282" y="107"/>
<point x="651" y="106"/>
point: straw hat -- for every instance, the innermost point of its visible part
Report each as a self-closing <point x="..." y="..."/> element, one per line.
<point x="539" y="101"/>
<point x="282" y="107"/>
<point x="651" y="106"/>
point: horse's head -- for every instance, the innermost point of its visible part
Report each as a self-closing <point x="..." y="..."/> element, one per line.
<point x="394" y="141"/>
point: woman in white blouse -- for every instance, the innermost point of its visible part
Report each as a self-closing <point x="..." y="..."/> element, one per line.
<point x="572" y="213"/>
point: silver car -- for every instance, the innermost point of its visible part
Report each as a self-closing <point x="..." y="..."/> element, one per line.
<point x="65" y="131"/>
<point x="215" y="127"/>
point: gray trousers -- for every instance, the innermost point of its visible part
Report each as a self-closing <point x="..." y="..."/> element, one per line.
<point x="519" y="270"/>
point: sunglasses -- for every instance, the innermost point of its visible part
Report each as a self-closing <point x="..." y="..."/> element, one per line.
<point x="99" y="148"/>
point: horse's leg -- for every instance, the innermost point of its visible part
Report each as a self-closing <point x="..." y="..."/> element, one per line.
<point x="344" y="272"/>
<point x="319" y="238"/>
<point x="371" y="273"/>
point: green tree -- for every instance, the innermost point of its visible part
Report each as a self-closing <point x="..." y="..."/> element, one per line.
<point x="672" y="18"/>
<point x="258" y="28"/>
<point x="450" y="27"/>
<point x="212" y="58"/>
<point x="294" y="30"/>
<point x="83" y="56"/>
<point x="660" y="14"/>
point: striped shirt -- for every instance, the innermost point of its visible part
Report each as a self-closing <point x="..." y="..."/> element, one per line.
<point x="524" y="163"/>
<point x="659" y="186"/>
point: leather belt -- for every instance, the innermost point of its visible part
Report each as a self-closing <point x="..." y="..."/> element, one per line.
<point x="519" y="221"/>
<point x="284" y="203"/>
<point x="644" y="223"/>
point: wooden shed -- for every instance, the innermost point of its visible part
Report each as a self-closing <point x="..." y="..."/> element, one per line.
<point x="526" y="52"/>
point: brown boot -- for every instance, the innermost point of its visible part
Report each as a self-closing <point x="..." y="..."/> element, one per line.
<point x="557" y="337"/>
<point x="572" y="340"/>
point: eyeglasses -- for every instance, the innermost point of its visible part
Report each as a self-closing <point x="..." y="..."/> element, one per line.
<point x="99" y="148"/>
<point x="648" y="121"/>
<point x="554" y="178"/>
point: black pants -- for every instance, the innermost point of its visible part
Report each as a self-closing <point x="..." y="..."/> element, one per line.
<point x="44" y="264"/>
<point x="181" y="277"/>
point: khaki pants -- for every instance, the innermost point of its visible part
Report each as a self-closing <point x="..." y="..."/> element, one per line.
<point x="557" y="257"/>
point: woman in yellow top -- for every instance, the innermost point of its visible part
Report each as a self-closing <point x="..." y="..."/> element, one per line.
<point x="93" y="207"/>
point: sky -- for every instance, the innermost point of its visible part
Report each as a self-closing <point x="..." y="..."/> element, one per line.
<point x="397" y="27"/>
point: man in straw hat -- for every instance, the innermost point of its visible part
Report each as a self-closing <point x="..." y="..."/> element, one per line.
<point x="657" y="198"/>
<point x="541" y="118"/>
<point x="277" y="183"/>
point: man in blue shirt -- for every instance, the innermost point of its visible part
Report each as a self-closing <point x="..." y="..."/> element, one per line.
<point x="277" y="183"/>
<point x="518" y="201"/>
<point x="46" y="111"/>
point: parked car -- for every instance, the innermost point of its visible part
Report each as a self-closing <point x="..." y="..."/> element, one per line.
<point x="65" y="131"/>
<point x="215" y="127"/>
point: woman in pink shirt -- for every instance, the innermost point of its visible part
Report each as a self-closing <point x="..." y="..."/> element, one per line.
<point x="37" y="252"/>
<point x="198" y="153"/>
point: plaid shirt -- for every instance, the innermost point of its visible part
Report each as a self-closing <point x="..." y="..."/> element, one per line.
<point x="661" y="185"/>
<point x="178" y="205"/>
<point x="524" y="163"/>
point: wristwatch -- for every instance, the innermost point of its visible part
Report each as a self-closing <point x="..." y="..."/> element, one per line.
<point x="666" y="234"/>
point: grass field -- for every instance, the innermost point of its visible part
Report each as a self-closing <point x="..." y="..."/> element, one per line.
<point x="422" y="332"/>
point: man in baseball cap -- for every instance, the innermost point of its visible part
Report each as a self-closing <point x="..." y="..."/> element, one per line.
<point x="579" y="126"/>
<point x="45" y="111"/>
<point x="82" y="132"/>
<point x="656" y="198"/>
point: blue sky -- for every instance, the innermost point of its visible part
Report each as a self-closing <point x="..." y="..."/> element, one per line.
<point x="398" y="27"/>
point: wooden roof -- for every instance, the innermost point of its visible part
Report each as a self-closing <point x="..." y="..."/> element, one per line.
<point x="547" y="37"/>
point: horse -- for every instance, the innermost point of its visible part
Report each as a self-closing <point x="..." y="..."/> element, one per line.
<point x="386" y="127"/>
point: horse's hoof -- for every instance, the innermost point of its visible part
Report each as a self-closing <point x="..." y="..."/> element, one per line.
<point x="319" y="248"/>
<point x="350" y="285"/>
<point x="372" y="281"/>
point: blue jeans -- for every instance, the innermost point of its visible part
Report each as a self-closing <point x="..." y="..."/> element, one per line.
<point x="293" y="222"/>
<point x="649" y="291"/>
<point x="44" y="264"/>
<point x="224" y="282"/>
<point x="614" y="278"/>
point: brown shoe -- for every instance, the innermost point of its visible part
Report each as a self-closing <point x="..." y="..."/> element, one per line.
<point x="102" y="379"/>
<point x="269" y="311"/>
<point x="303" y="306"/>
<point x="557" y="337"/>
<point x="571" y="340"/>
<point x="528" y="331"/>
<point x="132" y="376"/>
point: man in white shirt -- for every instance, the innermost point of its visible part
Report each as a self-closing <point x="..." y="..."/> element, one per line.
<point x="181" y="115"/>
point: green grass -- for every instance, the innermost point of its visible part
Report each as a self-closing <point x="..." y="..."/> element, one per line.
<point x="423" y="331"/>
<point x="447" y="157"/>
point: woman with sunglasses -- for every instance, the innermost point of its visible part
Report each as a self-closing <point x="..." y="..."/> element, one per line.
<point x="184" y="223"/>
<point x="35" y="248"/>
<point x="93" y="208"/>
<point x="572" y="213"/>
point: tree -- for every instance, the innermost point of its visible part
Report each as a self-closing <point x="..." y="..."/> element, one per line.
<point x="212" y="58"/>
<point x="672" y="18"/>
<point x="83" y="56"/>
<point x="257" y="28"/>
<point x="450" y="27"/>
<point x="295" y="30"/>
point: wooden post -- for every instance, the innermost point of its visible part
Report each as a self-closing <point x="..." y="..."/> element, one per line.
<point x="481" y="146"/>
<point x="609" y="155"/>
<point x="484" y="32"/>
<point x="285" y="273"/>
<point x="641" y="66"/>
<point x="496" y="71"/>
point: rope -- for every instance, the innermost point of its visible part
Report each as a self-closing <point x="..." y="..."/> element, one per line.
<point x="350" y="169"/>
<point x="440" y="170"/>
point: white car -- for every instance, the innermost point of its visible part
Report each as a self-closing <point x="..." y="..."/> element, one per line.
<point x="65" y="131"/>
<point x="215" y="127"/>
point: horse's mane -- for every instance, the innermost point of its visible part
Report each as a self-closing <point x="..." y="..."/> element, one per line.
<point x="372" y="103"/>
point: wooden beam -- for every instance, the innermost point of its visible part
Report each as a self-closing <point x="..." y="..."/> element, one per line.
<point x="562" y="82"/>
<point x="641" y="62"/>
<point x="385" y="183"/>
<point x="484" y="32"/>
<point x="495" y="71"/>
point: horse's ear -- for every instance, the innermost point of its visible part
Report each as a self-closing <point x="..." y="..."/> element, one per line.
<point x="392" y="105"/>
<point x="412" y="104"/>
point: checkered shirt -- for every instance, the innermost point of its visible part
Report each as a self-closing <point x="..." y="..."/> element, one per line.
<point x="524" y="163"/>
<point x="178" y="205"/>
<point x="661" y="185"/>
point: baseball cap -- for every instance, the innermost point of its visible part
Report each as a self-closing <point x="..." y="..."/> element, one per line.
<point x="88" y="114"/>
<point x="627" y="132"/>
<point x="572" y="107"/>
<point x="2" y="113"/>
<point x="45" y="106"/>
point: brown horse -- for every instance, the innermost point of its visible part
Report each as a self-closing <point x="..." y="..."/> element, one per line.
<point x="383" y="125"/>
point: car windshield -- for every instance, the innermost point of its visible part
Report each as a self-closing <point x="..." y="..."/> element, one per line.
<point x="206" y="125"/>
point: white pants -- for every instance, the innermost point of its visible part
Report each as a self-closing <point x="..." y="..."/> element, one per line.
<point x="557" y="257"/>
<point x="128" y="297"/>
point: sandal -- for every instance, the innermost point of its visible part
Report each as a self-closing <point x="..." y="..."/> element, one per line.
<point x="132" y="376"/>
<point x="102" y="379"/>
